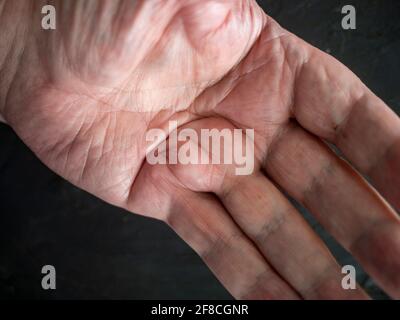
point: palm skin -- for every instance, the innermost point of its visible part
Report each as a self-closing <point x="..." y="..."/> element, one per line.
<point x="93" y="91"/>
<point x="93" y="102"/>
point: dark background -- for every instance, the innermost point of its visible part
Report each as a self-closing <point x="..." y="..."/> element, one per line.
<point x="100" y="251"/>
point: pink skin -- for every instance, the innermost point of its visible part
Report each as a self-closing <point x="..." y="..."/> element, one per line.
<point x="83" y="97"/>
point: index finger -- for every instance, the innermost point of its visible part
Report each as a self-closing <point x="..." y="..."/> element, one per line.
<point x="333" y="103"/>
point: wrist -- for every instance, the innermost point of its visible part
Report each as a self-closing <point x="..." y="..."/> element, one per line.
<point x="14" y="21"/>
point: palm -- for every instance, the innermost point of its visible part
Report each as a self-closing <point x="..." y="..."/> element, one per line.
<point x="93" y="112"/>
<point x="93" y="120"/>
<point x="223" y="64"/>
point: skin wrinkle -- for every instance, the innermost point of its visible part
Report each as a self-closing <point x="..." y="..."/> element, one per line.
<point x="341" y="136"/>
<point x="218" y="241"/>
<point x="347" y="94"/>
<point x="120" y="35"/>
<point x="52" y="149"/>
<point x="317" y="187"/>
<point x="118" y="23"/>
<point x="330" y="267"/>
<point x="219" y="245"/>
<point x="131" y="177"/>
<point x="228" y="186"/>
<point x="208" y="83"/>
<point x="275" y="139"/>
<point x="193" y="106"/>
<point x="141" y="5"/>
<point x="264" y="24"/>
<point x="262" y="64"/>
<point x="300" y="71"/>
<point x="78" y="135"/>
<point x="390" y="154"/>
<point x="130" y="192"/>
<point x="8" y="65"/>
<point x="118" y="182"/>
<point x="340" y="128"/>
<point x="360" y="238"/>
<point x="196" y="96"/>
<point x="295" y="75"/>
<point x="211" y="180"/>
<point x="83" y="167"/>
<point x="110" y="118"/>
<point x="272" y="226"/>
<point x="108" y="125"/>
<point x="360" y="244"/>
<point x="265" y="277"/>
<point x="165" y="216"/>
<point x="318" y="182"/>
<point x="344" y="93"/>
<point x="3" y="107"/>
<point x="70" y="145"/>
<point x="236" y="79"/>
<point x="308" y="289"/>
<point x="85" y="160"/>
<point x="281" y="79"/>
<point x="319" y="283"/>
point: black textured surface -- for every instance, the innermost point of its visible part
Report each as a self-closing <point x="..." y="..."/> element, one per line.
<point x="104" y="252"/>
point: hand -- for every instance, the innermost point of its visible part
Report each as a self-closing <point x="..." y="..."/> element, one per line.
<point x="84" y="96"/>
